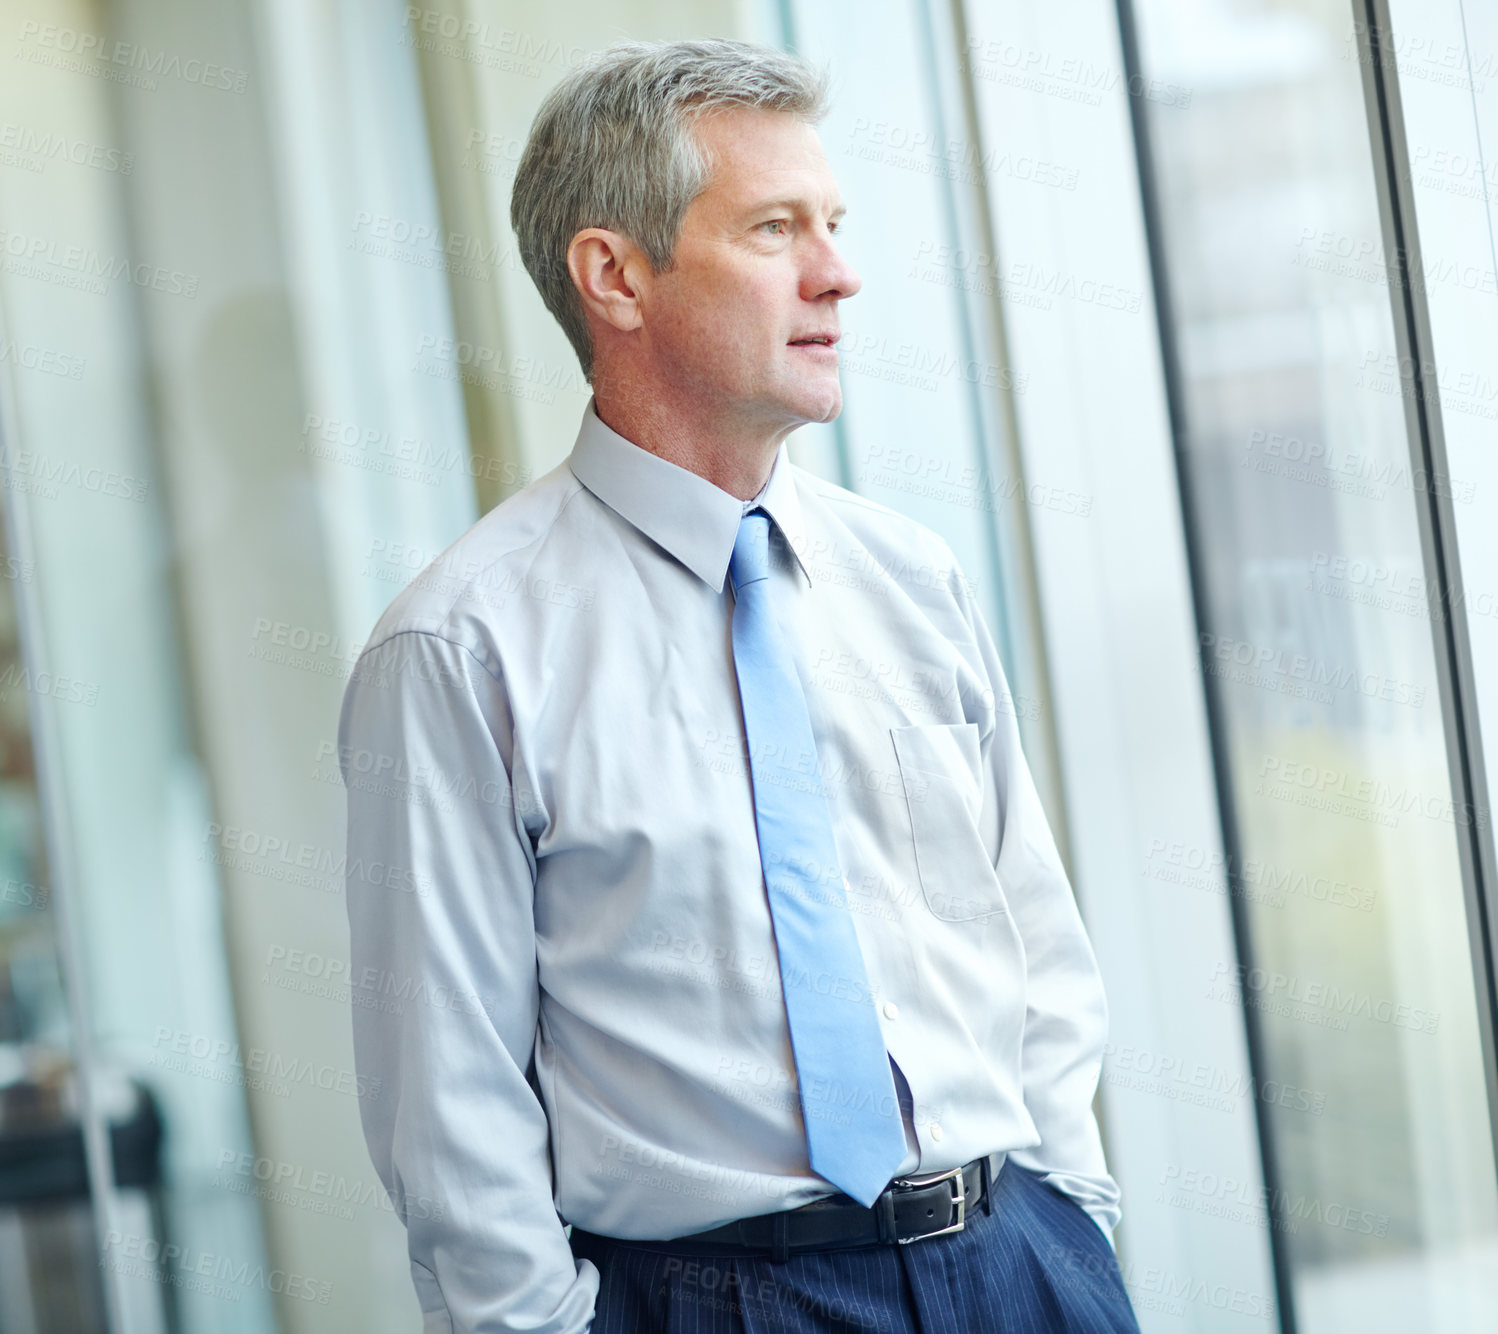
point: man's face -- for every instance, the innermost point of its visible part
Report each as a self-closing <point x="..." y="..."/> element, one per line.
<point x="757" y="273"/>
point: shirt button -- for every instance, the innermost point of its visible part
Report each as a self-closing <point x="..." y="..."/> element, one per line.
<point x="891" y="1010"/>
<point x="936" y="1131"/>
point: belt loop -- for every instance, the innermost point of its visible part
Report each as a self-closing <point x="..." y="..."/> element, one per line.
<point x="780" y="1231"/>
<point x="884" y="1210"/>
<point x="987" y="1175"/>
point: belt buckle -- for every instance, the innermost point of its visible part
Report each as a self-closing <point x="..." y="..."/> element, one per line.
<point x="959" y="1201"/>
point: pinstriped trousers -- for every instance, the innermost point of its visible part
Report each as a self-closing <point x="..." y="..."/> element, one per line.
<point x="1038" y="1265"/>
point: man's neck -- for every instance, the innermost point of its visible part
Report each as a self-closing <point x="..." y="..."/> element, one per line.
<point x="732" y="456"/>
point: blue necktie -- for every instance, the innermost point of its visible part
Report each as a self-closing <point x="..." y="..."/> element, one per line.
<point x="854" y="1132"/>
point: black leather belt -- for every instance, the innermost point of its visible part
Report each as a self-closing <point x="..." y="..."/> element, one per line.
<point x="912" y="1208"/>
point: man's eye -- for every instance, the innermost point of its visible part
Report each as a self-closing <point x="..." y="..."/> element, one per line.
<point x="775" y="222"/>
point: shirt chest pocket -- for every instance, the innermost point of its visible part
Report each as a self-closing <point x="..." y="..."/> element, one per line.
<point x="939" y="766"/>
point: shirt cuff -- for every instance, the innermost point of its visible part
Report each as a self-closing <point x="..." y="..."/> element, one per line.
<point x="1098" y="1197"/>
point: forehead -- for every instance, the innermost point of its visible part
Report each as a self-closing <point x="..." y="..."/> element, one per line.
<point x="763" y="155"/>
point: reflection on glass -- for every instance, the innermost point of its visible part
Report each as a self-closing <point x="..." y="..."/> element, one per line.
<point x="49" y="1273"/>
<point x="1318" y="639"/>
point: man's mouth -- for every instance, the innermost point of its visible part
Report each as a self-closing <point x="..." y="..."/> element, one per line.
<point x="816" y="340"/>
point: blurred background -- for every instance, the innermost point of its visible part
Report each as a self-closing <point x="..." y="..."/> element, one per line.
<point x="1179" y="321"/>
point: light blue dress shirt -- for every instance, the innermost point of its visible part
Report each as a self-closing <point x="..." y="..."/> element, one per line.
<point x="553" y="864"/>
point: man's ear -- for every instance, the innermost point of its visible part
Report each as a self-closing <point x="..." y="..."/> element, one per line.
<point x="608" y="270"/>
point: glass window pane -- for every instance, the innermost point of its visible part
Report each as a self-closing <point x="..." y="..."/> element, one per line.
<point x="1317" y="638"/>
<point x="49" y="1272"/>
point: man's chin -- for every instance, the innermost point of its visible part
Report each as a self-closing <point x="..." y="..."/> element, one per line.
<point x="820" y="406"/>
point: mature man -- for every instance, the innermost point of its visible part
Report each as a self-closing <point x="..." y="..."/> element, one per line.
<point x="772" y="988"/>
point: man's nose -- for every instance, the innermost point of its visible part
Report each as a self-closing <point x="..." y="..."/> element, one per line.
<point x="832" y="274"/>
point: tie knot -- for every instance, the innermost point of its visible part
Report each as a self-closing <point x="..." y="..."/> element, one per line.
<point x="751" y="550"/>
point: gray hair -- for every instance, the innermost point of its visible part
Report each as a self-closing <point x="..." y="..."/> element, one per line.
<point x="611" y="146"/>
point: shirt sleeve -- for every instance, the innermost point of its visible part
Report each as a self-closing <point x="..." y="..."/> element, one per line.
<point x="440" y="891"/>
<point x="1066" y="1014"/>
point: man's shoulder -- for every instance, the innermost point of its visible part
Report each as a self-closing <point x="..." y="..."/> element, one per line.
<point x="469" y="580"/>
<point x="845" y="521"/>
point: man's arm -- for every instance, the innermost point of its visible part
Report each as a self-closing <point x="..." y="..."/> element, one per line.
<point x="1066" y="1018"/>
<point x="440" y="887"/>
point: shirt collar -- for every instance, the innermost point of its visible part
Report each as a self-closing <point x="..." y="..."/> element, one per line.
<point x="691" y="518"/>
